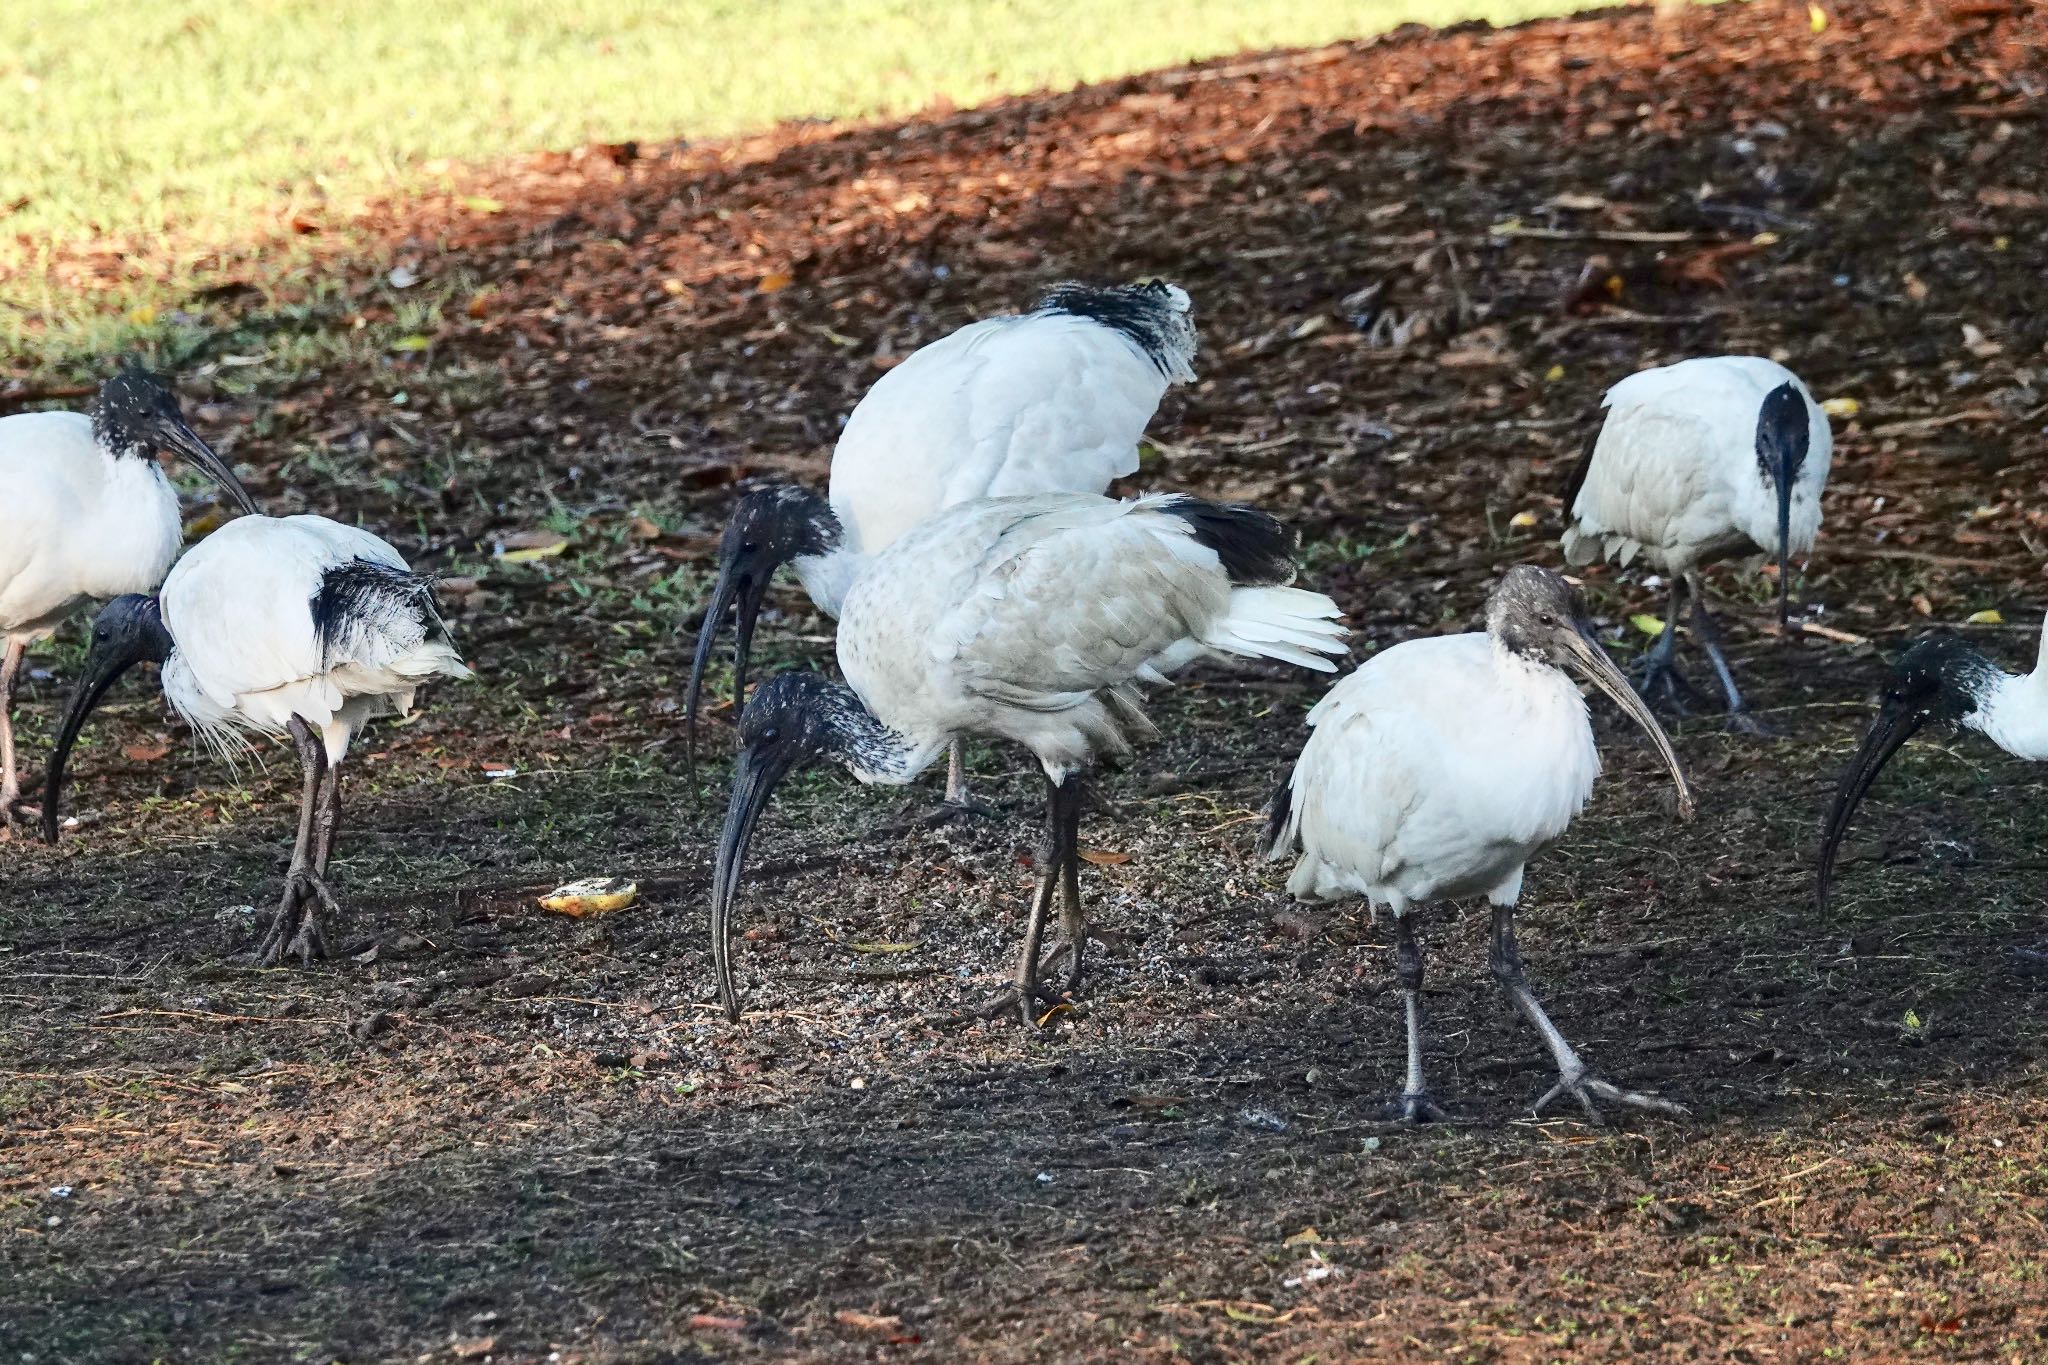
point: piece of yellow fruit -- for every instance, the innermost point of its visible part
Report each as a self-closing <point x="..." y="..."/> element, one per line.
<point x="1841" y="407"/>
<point x="1649" y="625"/>
<point x="591" y="896"/>
<point x="1989" y="617"/>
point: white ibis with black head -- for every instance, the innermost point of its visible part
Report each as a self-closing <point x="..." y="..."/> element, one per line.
<point x="1437" y="770"/>
<point x="1028" y="619"/>
<point x="1949" y="680"/>
<point x="293" y="626"/>
<point x="86" y="514"/>
<point x="1704" y="460"/>
<point x="1051" y="401"/>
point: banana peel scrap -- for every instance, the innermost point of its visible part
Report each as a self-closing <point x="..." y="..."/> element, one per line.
<point x="591" y="896"/>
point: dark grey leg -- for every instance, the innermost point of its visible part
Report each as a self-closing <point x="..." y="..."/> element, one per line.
<point x="1657" y="676"/>
<point x="1573" y="1076"/>
<point x="1710" y="640"/>
<point x="295" y="928"/>
<point x="1413" y="1104"/>
<point x="10" y="780"/>
<point x="1025" y="997"/>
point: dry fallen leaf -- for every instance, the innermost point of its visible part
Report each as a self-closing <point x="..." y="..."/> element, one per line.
<point x="1102" y="857"/>
<point x="145" y="753"/>
<point x="775" y="281"/>
<point x="868" y="1322"/>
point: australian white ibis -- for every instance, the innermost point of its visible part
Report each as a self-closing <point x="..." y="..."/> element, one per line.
<point x="85" y="514"/>
<point x="292" y="625"/>
<point x="1437" y="770"/>
<point x="1028" y="619"/>
<point x="1695" y="462"/>
<point x="1947" y="679"/>
<point x="1050" y="401"/>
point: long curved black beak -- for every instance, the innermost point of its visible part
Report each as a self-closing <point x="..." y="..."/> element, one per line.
<point x="103" y="668"/>
<point x="743" y="586"/>
<point x="1895" y="724"/>
<point x="1592" y="663"/>
<point x="188" y="445"/>
<point x="1788" y="470"/>
<point x="754" y="777"/>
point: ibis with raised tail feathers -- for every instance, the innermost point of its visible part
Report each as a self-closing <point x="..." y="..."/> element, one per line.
<point x="1437" y="770"/>
<point x="1946" y="679"/>
<point x="88" y="516"/>
<point x="1050" y="401"/>
<point x="1029" y="619"/>
<point x="294" y="626"/>
<point x="1707" y="459"/>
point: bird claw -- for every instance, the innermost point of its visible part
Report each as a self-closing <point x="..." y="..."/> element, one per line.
<point x="1658" y="681"/>
<point x="1014" y="1003"/>
<point x="1585" y="1087"/>
<point x="295" y="928"/>
<point x="1743" y="723"/>
<point x="1412" y="1107"/>
<point x="952" y="812"/>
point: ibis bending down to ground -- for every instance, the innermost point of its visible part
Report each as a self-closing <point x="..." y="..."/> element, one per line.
<point x="86" y="514"/>
<point x="1437" y="769"/>
<point x="1028" y="619"/>
<point x="1947" y="679"/>
<point x="1696" y="462"/>
<point x="292" y="625"/>
<point x="1052" y="401"/>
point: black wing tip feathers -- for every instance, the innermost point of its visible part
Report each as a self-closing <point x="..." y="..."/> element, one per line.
<point x="1279" y="811"/>
<point x="1256" y="550"/>
<point x="1577" y="479"/>
<point x="360" y="588"/>
<point x="1157" y="316"/>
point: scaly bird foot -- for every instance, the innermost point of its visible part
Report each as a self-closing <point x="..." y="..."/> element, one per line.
<point x="1583" y="1086"/>
<point x="1411" y="1107"/>
<point x="1658" y="681"/>
<point x="295" y="928"/>
<point x="1013" y="1002"/>
<point x="1743" y="723"/>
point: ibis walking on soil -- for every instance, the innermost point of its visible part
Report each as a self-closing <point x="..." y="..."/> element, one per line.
<point x="293" y="625"/>
<point x="1700" y="461"/>
<point x="86" y="514"/>
<point x="1029" y="619"/>
<point x="1437" y="770"/>
<point x="1947" y="679"/>
<point x="1051" y="401"/>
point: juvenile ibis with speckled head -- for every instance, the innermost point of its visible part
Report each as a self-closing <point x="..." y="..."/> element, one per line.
<point x="1437" y="770"/>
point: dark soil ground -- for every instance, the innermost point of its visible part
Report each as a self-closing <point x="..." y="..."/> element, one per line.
<point x="491" y="1133"/>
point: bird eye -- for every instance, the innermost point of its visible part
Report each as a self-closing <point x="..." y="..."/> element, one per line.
<point x="1546" y="619"/>
<point x="771" y="733"/>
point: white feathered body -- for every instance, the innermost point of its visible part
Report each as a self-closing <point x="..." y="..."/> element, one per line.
<point x="1031" y="617"/>
<point x="81" y="524"/>
<point x="247" y="654"/>
<point x="1674" y="477"/>
<point x="1434" y="772"/>
<point x="1043" y="402"/>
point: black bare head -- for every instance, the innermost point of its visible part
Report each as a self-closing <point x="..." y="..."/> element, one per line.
<point x="1158" y="316"/>
<point x="769" y="527"/>
<point x="1942" y="678"/>
<point x="135" y="415"/>
<point x="128" y="631"/>
<point x="1782" y="440"/>
<point x="791" y="720"/>
<point x="1536" y="615"/>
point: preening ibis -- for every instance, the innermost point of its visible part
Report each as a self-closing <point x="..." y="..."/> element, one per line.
<point x="1695" y="462"/>
<point x="1942" y="678"/>
<point x="1028" y="619"/>
<point x="1050" y="401"/>
<point x="85" y="514"/>
<point x="1437" y="770"/>
<point x="292" y="625"/>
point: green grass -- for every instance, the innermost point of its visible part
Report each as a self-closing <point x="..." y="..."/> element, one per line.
<point x="179" y="128"/>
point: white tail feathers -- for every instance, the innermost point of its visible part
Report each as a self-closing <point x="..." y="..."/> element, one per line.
<point x="1292" y="625"/>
